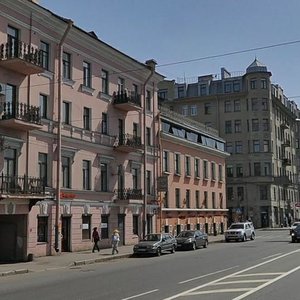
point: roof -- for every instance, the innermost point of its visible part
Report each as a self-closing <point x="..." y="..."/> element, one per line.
<point x="256" y="66"/>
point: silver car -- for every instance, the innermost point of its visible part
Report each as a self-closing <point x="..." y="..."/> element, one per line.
<point x="192" y="239"/>
<point x="240" y="232"/>
<point x="155" y="243"/>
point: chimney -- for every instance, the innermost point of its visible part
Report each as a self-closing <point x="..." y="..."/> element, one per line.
<point x="151" y="63"/>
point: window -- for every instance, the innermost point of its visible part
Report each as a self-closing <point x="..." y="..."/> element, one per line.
<point x="86" y="174"/>
<point x="263" y="83"/>
<point x="197" y="167"/>
<point x="237" y="126"/>
<point x="166" y="161"/>
<point x="86" y="118"/>
<point x="87" y="80"/>
<point x="104" y="227"/>
<point x="205" y="200"/>
<point x="240" y="193"/>
<point x="266" y="146"/>
<point x="66" y="171"/>
<point x="177" y="163"/>
<point x="213" y="171"/>
<point x="205" y="169"/>
<point x="253" y="84"/>
<point x="213" y="199"/>
<point x="13" y="41"/>
<point x="254" y="104"/>
<point x="104" y="124"/>
<point x="44" y="55"/>
<point x="221" y="200"/>
<point x="66" y="112"/>
<point x="10" y="162"/>
<point x="86" y="227"/>
<point x="104" y="79"/>
<point x="229" y="147"/>
<point x="228" y="127"/>
<point x="265" y="124"/>
<point x="197" y="199"/>
<point x="227" y="106"/>
<point x="239" y="170"/>
<point x="230" y="193"/>
<point x="148" y="100"/>
<point x="187" y="198"/>
<point x="220" y="173"/>
<point x="121" y="84"/>
<point x="187" y="166"/>
<point x="257" y="171"/>
<point x="194" y="110"/>
<point x="238" y="147"/>
<point x="263" y="192"/>
<point x="229" y="171"/>
<point x="148" y="181"/>
<point x="256" y="146"/>
<point x="66" y="60"/>
<point x="104" y="177"/>
<point x="148" y="136"/>
<point x="207" y="109"/>
<point x="177" y="198"/>
<point x="43" y="106"/>
<point x="265" y="104"/>
<point x="43" y="167"/>
<point x="237" y="105"/>
<point x="42" y="229"/>
<point x="267" y="169"/>
<point x="255" y="125"/>
<point x="227" y="87"/>
<point x="135" y="184"/>
<point x="135" y="224"/>
<point x="185" y="110"/>
<point x="180" y="90"/>
<point x="135" y="130"/>
<point x="203" y="89"/>
<point x="236" y="86"/>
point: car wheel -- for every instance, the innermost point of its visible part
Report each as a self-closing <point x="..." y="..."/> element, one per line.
<point x="158" y="252"/>
<point x="293" y="240"/>
<point x="252" y="236"/>
<point x="205" y="244"/>
<point x="194" y="247"/>
<point x="244" y="238"/>
<point x="173" y="249"/>
<point x="227" y="240"/>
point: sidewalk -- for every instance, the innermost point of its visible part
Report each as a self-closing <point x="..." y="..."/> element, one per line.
<point x="69" y="259"/>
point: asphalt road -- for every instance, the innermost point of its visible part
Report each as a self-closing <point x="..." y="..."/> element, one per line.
<point x="267" y="268"/>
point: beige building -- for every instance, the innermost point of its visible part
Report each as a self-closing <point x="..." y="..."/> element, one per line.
<point x="258" y="123"/>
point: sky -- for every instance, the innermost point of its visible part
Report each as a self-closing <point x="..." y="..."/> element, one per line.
<point x="176" y="31"/>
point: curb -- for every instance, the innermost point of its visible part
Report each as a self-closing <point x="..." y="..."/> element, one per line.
<point x="14" y="272"/>
<point x="100" y="259"/>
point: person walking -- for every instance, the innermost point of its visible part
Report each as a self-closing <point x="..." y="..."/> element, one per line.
<point x="96" y="239"/>
<point x="115" y="239"/>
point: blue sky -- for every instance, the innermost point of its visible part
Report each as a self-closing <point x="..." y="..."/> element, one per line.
<point x="179" y="30"/>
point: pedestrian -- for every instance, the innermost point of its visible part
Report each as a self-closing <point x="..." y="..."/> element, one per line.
<point x="96" y="239"/>
<point x="115" y="239"/>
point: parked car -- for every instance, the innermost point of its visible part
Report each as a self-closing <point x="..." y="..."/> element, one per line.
<point x="294" y="225"/>
<point x="295" y="234"/>
<point x="156" y="243"/>
<point x="191" y="239"/>
<point x="240" y="232"/>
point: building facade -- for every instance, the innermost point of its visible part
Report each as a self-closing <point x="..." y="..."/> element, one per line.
<point x="193" y="165"/>
<point x="258" y="123"/>
<point x="78" y="126"/>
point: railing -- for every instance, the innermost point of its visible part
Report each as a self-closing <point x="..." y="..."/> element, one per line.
<point x="18" y="49"/>
<point x="128" y="140"/>
<point x="124" y="97"/>
<point x="21" y="185"/>
<point x="129" y="194"/>
<point x="20" y="111"/>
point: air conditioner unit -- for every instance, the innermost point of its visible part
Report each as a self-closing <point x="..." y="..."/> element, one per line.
<point x="2" y="89"/>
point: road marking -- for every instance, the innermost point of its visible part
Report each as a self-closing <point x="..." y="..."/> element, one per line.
<point x="271" y="256"/>
<point x="220" y="291"/>
<point x="266" y="284"/>
<point x="241" y="281"/>
<point x="206" y="275"/>
<point x="228" y="276"/>
<point x="139" y="295"/>
<point x="258" y="274"/>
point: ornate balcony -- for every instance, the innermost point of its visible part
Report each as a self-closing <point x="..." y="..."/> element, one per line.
<point x="21" y="185"/>
<point x="286" y="143"/>
<point x="20" y="57"/>
<point x="127" y="143"/>
<point x="127" y="101"/>
<point x="129" y="194"/>
<point x="287" y="162"/>
<point x="20" y="116"/>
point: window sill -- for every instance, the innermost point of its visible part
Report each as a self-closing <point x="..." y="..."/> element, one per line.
<point x="167" y="172"/>
<point x="105" y="97"/>
<point x="47" y="74"/>
<point x="187" y="175"/>
<point x="197" y="177"/>
<point x="68" y="82"/>
<point x="87" y="90"/>
<point x="177" y="174"/>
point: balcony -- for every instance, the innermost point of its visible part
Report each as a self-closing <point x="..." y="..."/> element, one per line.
<point x="127" y="143"/>
<point x="284" y="125"/>
<point x="287" y="161"/>
<point x="20" y="116"/>
<point x="129" y="194"/>
<point x="130" y="101"/>
<point x="286" y="143"/>
<point x="21" y="185"/>
<point x="282" y="180"/>
<point x="20" y="57"/>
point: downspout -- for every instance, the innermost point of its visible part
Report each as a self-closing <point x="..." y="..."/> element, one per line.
<point x="151" y="65"/>
<point x="57" y="245"/>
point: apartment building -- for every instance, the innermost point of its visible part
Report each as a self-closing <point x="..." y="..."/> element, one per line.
<point x="258" y="123"/>
<point x="193" y="166"/>
<point x="78" y="129"/>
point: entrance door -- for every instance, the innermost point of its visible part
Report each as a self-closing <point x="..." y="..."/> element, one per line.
<point x="8" y="237"/>
<point x="121" y="227"/>
<point x="264" y="219"/>
<point x="66" y="234"/>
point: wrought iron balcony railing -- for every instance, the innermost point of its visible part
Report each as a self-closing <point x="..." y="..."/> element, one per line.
<point x="21" y="185"/>
<point x="128" y="140"/>
<point x="129" y="194"/>
<point x="20" y="111"/>
<point x="127" y="97"/>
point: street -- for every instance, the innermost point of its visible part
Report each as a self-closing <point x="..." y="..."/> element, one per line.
<point x="266" y="268"/>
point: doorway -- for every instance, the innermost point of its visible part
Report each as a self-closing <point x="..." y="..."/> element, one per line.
<point x="66" y="234"/>
<point x="121" y="227"/>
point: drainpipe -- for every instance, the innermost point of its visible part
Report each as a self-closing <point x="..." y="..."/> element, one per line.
<point x="151" y="65"/>
<point x="57" y="245"/>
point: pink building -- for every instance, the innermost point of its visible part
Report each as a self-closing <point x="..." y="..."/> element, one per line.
<point x="193" y="163"/>
<point x="78" y="125"/>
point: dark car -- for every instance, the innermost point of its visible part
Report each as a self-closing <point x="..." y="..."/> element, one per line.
<point x="192" y="239"/>
<point x="295" y="234"/>
<point x="155" y="243"/>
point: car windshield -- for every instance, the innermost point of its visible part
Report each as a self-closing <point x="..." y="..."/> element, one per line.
<point x="296" y="224"/>
<point x="152" y="237"/>
<point x="186" y="234"/>
<point x="236" y="226"/>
